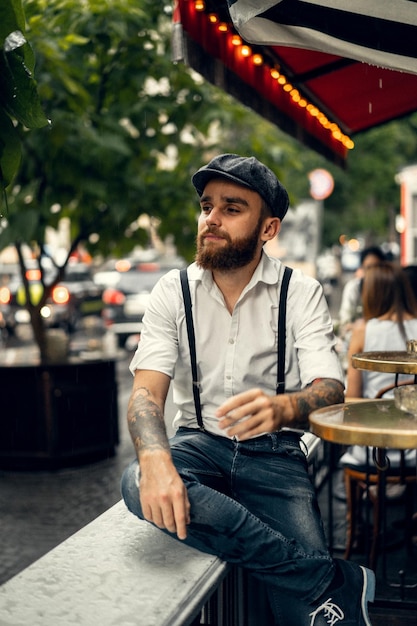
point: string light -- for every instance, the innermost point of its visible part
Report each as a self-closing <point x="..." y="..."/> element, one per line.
<point x="276" y="75"/>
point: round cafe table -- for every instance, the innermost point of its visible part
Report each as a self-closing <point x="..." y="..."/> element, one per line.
<point x="395" y="362"/>
<point x="376" y="423"/>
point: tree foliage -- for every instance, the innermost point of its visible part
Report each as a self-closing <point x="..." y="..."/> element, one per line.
<point x="128" y="127"/>
<point x="19" y="101"/>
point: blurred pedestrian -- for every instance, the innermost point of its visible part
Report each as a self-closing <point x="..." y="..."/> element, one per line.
<point x="389" y="320"/>
<point x="351" y="302"/>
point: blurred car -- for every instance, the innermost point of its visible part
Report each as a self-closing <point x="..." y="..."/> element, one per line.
<point x="72" y="299"/>
<point x="126" y="298"/>
<point x="9" y="273"/>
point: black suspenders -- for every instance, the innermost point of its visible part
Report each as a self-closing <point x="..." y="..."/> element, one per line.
<point x="191" y="342"/>
<point x="282" y="318"/>
<point x="282" y="312"/>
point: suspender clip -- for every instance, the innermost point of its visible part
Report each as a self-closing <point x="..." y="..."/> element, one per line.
<point x="280" y="388"/>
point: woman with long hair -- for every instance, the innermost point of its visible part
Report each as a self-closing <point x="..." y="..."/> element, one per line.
<point x="389" y="320"/>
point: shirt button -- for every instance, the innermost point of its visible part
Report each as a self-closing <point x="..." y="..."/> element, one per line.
<point x="231" y="341"/>
<point x="228" y="377"/>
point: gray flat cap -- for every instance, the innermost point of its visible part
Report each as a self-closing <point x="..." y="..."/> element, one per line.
<point x="249" y="172"/>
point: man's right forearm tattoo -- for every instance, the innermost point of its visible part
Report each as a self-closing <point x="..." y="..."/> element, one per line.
<point x="146" y="422"/>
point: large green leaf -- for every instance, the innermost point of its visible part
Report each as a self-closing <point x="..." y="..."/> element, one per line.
<point x="18" y="90"/>
<point x="10" y="150"/>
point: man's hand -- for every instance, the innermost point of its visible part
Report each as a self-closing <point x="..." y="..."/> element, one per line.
<point x="163" y="495"/>
<point x="253" y="412"/>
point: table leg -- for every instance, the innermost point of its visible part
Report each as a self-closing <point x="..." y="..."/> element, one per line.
<point x="382" y="465"/>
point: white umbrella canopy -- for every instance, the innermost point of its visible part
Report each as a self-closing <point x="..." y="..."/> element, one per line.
<point x="378" y="32"/>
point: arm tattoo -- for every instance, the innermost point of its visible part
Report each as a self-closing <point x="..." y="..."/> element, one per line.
<point x="318" y="394"/>
<point x="146" y="422"/>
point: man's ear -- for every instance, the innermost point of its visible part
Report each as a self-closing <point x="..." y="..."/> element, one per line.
<point x="271" y="228"/>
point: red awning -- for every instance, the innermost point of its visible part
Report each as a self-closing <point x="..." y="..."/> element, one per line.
<point x="321" y="72"/>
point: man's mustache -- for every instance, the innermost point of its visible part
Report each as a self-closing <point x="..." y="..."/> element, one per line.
<point x="214" y="231"/>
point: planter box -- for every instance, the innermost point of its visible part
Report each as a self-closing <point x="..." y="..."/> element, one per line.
<point x="58" y="415"/>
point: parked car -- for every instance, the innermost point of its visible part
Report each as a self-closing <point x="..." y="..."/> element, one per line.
<point x="126" y="298"/>
<point x="9" y="275"/>
<point x="72" y="299"/>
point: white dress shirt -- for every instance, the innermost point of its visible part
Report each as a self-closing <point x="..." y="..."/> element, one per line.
<point x="238" y="351"/>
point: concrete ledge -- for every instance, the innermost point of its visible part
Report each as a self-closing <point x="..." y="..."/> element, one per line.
<point x="116" y="571"/>
<point x="120" y="571"/>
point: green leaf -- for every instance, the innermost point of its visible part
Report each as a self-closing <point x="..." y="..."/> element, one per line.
<point x="11" y="18"/>
<point x="10" y="150"/>
<point x="18" y="90"/>
<point x="22" y="227"/>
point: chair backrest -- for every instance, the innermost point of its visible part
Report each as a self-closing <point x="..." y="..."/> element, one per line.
<point x="385" y="390"/>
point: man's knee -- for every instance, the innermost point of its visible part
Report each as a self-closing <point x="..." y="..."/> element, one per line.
<point x="129" y="487"/>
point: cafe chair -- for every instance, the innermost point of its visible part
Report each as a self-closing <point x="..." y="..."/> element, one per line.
<point x="362" y="487"/>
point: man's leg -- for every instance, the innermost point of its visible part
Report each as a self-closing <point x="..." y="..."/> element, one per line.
<point x="222" y="526"/>
<point x="270" y="478"/>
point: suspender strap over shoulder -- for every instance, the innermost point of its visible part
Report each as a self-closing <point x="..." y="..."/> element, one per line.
<point x="282" y="316"/>
<point x="191" y="342"/>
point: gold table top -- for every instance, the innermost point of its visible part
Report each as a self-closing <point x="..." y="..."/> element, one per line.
<point x="376" y="423"/>
<point x="386" y="361"/>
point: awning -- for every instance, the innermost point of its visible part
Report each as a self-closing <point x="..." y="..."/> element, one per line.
<point x="322" y="70"/>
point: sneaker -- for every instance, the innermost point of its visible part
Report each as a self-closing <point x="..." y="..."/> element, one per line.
<point x="346" y="604"/>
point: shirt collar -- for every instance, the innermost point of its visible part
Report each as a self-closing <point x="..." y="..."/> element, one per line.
<point x="267" y="271"/>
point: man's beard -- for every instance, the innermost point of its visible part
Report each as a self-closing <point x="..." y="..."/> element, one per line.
<point x="234" y="255"/>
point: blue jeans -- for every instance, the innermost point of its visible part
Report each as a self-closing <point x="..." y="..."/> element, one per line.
<point x="252" y="504"/>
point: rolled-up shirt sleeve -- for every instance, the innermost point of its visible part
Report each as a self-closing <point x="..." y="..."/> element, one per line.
<point x="311" y="340"/>
<point x="158" y="345"/>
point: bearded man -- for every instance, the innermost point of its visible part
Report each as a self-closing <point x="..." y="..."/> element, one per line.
<point x="233" y="480"/>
